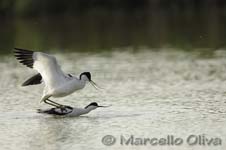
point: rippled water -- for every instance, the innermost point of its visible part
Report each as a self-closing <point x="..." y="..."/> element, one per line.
<point x="152" y="93"/>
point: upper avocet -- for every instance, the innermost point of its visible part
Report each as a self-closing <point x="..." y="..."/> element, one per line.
<point x="57" y="83"/>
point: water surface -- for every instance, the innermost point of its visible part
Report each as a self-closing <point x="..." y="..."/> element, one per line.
<point x="152" y="93"/>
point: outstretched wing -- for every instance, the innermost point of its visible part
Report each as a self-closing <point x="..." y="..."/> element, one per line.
<point x="45" y="64"/>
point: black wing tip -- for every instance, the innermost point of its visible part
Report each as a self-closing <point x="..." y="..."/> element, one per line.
<point x="28" y="84"/>
<point x="21" y="49"/>
<point x="36" y="79"/>
<point x="24" y="84"/>
<point x="24" y="56"/>
<point x="19" y="52"/>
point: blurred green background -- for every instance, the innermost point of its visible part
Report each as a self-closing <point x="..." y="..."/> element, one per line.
<point x="99" y="25"/>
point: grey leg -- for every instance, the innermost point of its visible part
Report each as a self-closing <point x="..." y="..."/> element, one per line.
<point x="55" y="103"/>
<point x="45" y="101"/>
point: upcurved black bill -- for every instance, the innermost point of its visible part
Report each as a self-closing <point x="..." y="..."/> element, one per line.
<point x="105" y="106"/>
<point x="95" y="85"/>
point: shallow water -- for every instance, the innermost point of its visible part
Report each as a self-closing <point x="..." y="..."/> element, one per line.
<point x="153" y="94"/>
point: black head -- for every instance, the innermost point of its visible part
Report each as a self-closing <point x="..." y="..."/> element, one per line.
<point x="92" y="104"/>
<point x="87" y="74"/>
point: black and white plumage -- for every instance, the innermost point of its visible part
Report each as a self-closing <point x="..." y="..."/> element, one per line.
<point x="70" y="111"/>
<point x="60" y="111"/>
<point x="57" y="83"/>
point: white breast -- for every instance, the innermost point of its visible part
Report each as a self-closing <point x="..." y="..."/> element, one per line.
<point x="67" y="88"/>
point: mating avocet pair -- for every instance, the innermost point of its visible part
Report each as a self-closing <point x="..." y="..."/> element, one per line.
<point x="57" y="83"/>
